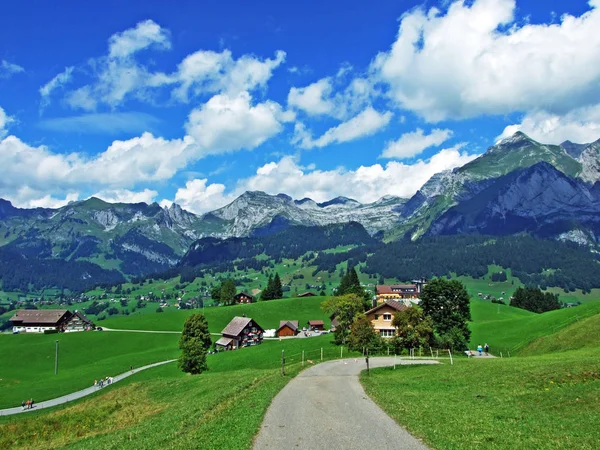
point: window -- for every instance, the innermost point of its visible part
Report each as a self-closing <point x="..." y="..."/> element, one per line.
<point x="387" y="333"/>
<point x="376" y="316"/>
<point x="387" y="317"/>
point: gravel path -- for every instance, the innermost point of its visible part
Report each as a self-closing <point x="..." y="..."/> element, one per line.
<point x="142" y="331"/>
<point x="326" y="407"/>
<point x="78" y="394"/>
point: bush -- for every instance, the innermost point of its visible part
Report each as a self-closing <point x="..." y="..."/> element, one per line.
<point x="50" y="331"/>
<point x="159" y="310"/>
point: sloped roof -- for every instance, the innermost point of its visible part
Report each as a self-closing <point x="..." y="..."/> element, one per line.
<point x="224" y="341"/>
<point x="316" y="322"/>
<point x="49" y="316"/>
<point x="82" y="316"/>
<point x="293" y="324"/>
<point x="243" y="293"/>
<point x="236" y="325"/>
<point x="391" y="303"/>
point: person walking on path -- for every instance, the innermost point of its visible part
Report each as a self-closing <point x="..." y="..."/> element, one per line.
<point x="480" y="349"/>
<point x="31" y="402"/>
<point x="486" y="349"/>
<point x="23" y="404"/>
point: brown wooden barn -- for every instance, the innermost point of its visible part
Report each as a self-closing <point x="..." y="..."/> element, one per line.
<point x="307" y="294"/>
<point x="316" y="325"/>
<point x="287" y="328"/>
<point x="240" y="332"/>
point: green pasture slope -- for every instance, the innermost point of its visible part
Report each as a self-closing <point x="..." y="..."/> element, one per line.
<point x="544" y="398"/>
<point x="516" y="328"/>
<point x="164" y="408"/>
<point x="27" y="368"/>
<point x="267" y="314"/>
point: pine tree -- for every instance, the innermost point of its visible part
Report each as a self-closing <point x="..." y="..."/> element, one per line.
<point x="228" y="292"/>
<point x="277" y="287"/>
<point x="267" y="293"/>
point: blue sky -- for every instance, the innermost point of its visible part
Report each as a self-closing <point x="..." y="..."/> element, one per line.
<point x="143" y="101"/>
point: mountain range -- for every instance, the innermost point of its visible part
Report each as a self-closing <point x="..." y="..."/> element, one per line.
<point x="518" y="185"/>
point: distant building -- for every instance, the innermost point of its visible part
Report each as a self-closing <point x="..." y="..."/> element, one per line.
<point x="243" y="297"/>
<point x="407" y="293"/>
<point x="40" y="320"/>
<point x="382" y="315"/>
<point x="287" y="328"/>
<point x="240" y="332"/>
<point x="316" y="325"/>
<point x="307" y="294"/>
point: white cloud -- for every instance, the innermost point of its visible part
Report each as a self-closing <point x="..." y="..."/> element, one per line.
<point x="211" y="72"/>
<point x="58" y="81"/>
<point x="475" y="59"/>
<point x="5" y="120"/>
<point x="367" y="123"/>
<point x="127" y="196"/>
<point x="366" y="184"/>
<point x="47" y="201"/>
<point x="8" y="69"/>
<point x="226" y="124"/>
<point x="198" y="197"/>
<point x="105" y="123"/>
<point x="413" y="143"/>
<point x="581" y="125"/>
<point x="144" y="35"/>
<point x="313" y="99"/>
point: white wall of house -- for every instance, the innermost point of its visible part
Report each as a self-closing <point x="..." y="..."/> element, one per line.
<point x="31" y="329"/>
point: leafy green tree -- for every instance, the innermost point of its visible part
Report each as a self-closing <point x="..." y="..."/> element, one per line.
<point x="414" y="329"/>
<point x="345" y="308"/>
<point x="215" y="292"/>
<point x="228" y="292"/>
<point x="194" y="343"/>
<point x="362" y="334"/>
<point x="533" y="299"/>
<point x="446" y="302"/>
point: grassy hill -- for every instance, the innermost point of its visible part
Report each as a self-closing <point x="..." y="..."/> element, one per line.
<point x="516" y="329"/>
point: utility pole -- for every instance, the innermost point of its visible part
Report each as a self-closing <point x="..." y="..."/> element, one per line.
<point x="282" y="362"/>
<point x="367" y="360"/>
<point x="56" y="359"/>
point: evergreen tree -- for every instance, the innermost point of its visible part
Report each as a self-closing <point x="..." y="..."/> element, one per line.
<point x="277" y="287"/>
<point x="267" y="293"/>
<point x="194" y="343"/>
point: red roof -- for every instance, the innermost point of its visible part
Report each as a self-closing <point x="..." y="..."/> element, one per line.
<point x="313" y="323"/>
<point x="391" y="303"/>
<point x="389" y="289"/>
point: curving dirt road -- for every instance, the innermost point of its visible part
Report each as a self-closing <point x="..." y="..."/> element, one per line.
<point x="326" y="407"/>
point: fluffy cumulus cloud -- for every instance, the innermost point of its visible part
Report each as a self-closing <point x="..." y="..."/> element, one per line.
<point x="366" y="184"/>
<point x="413" y="143"/>
<point x="127" y="196"/>
<point x="314" y="99"/>
<point x="582" y="125"/>
<point x="5" y="120"/>
<point x="226" y="124"/>
<point x="119" y="75"/>
<point x="199" y="197"/>
<point x="476" y="59"/>
<point x="367" y="123"/>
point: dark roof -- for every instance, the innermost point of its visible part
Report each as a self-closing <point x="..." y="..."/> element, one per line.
<point x="82" y="317"/>
<point x="237" y="325"/>
<point x="307" y="294"/>
<point x="316" y="322"/>
<point x="242" y="293"/>
<point x="49" y="316"/>
<point x="391" y="303"/>
<point x="293" y="324"/>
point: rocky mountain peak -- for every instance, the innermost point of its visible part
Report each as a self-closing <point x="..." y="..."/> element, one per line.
<point x="573" y="149"/>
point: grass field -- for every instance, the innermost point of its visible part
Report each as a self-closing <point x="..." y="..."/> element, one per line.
<point x="542" y="402"/>
<point x="267" y="314"/>
<point x="511" y="334"/>
<point x="28" y="361"/>
<point x="163" y="408"/>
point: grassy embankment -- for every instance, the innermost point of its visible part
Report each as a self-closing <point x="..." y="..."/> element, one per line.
<point x="163" y="408"/>
<point x="545" y="401"/>
<point x="84" y="357"/>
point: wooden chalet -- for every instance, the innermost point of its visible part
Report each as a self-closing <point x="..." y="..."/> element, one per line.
<point x="307" y="294"/>
<point x="240" y="332"/>
<point x="287" y="328"/>
<point x="382" y="316"/>
<point x="41" y="320"/>
<point x="243" y="297"/>
<point x="408" y="293"/>
<point x="316" y="325"/>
